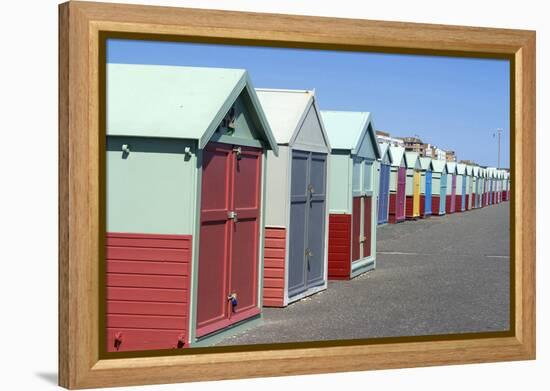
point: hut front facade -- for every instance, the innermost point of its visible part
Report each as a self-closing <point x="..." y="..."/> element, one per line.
<point x="475" y="187"/>
<point x="185" y="168"/>
<point x="425" y="187"/>
<point x="468" y="194"/>
<point x="451" y="188"/>
<point x="460" y="187"/>
<point x="398" y="180"/>
<point x="296" y="234"/>
<point x="352" y="193"/>
<point x="412" y="187"/>
<point x="506" y="193"/>
<point x="485" y="176"/>
<point x="383" y="167"/>
<point x="492" y="184"/>
<point x="439" y="187"/>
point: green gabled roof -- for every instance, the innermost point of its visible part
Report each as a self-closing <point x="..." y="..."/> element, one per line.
<point x="176" y="102"/>
<point x="397" y="154"/>
<point x="286" y="111"/>
<point x="439" y="165"/>
<point x="385" y="149"/>
<point x="451" y="167"/>
<point x="347" y="129"/>
<point x="426" y="163"/>
<point x="411" y="160"/>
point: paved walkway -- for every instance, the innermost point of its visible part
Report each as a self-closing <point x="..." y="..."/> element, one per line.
<point x="436" y="276"/>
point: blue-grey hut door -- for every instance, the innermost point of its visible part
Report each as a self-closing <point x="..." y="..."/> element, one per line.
<point x="316" y="219"/>
<point x="307" y="221"/>
<point x="428" y="193"/>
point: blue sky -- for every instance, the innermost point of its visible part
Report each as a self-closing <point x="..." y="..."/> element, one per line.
<point x="454" y="103"/>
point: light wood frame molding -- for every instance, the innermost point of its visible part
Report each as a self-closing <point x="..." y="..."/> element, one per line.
<point x="82" y="26"/>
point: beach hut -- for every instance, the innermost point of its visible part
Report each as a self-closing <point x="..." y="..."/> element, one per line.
<point x="412" y="186"/>
<point x="296" y="219"/>
<point x="398" y="178"/>
<point x="506" y="191"/>
<point x="501" y="186"/>
<point x="460" y="187"/>
<point x="184" y="177"/>
<point x="469" y="188"/>
<point x="383" y="166"/>
<point x="425" y="187"/>
<point x="485" y="187"/>
<point x="481" y="187"/>
<point x="498" y="177"/>
<point x="439" y="187"/>
<point x="451" y="188"/>
<point x="475" y="187"/>
<point x="491" y="187"/>
<point x="352" y="193"/>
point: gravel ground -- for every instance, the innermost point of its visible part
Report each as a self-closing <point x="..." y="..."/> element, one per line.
<point x="441" y="275"/>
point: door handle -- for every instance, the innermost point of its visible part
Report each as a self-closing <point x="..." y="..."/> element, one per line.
<point x="232" y="215"/>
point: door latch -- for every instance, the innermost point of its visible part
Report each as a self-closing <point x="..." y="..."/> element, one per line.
<point x="233" y="299"/>
<point x="311" y="189"/>
<point x="232" y="215"/>
<point x="308" y="252"/>
<point x="238" y="151"/>
<point x="362" y="239"/>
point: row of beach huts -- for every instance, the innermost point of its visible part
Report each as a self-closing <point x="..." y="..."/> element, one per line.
<point x="223" y="199"/>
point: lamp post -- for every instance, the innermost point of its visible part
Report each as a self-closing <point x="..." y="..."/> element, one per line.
<point x="499" y="132"/>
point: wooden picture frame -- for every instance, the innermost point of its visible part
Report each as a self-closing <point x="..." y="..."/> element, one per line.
<point x="84" y="26"/>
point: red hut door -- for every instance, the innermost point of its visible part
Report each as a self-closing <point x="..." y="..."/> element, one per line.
<point x="229" y="241"/>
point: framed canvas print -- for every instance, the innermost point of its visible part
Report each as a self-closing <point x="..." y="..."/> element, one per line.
<point x="246" y="195"/>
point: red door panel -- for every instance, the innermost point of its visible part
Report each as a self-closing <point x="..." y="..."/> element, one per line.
<point x="367" y="225"/>
<point x="214" y="236"/>
<point x="356" y="229"/>
<point x="228" y="249"/>
<point x="244" y="242"/>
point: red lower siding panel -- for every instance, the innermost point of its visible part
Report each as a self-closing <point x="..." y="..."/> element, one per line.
<point x="458" y="203"/>
<point x="144" y="339"/>
<point x="409" y="207"/>
<point x="393" y="217"/>
<point x="435" y="205"/>
<point x="422" y="205"/>
<point x="274" y="267"/>
<point x="339" y="247"/>
<point x="448" y="204"/>
<point x="147" y="291"/>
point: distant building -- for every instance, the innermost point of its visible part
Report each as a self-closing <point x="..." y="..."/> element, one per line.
<point x="385" y="137"/>
<point x="450" y="156"/>
<point x="435" y="153"/>
<point x="468" y="162"/>
<point x="414" y="144"/>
